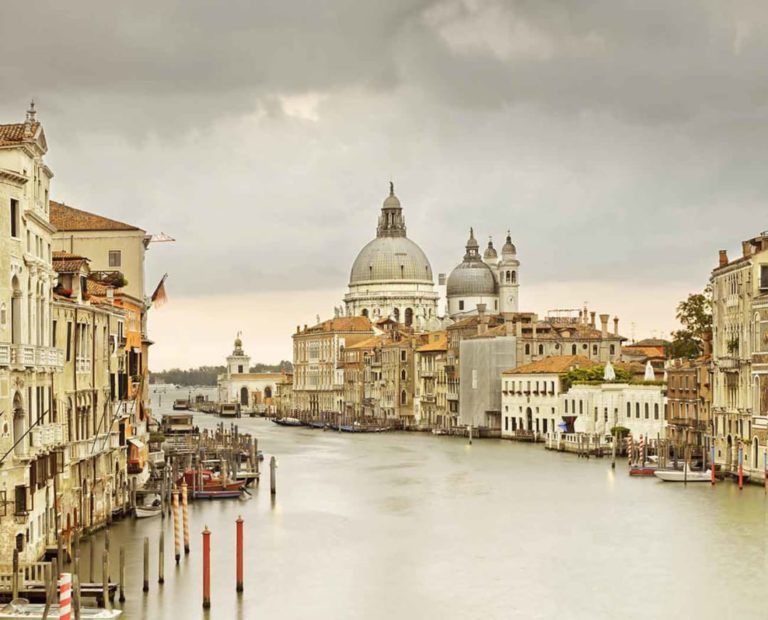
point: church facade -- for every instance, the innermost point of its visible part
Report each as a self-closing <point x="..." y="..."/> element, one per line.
<point x="255" y="391"/>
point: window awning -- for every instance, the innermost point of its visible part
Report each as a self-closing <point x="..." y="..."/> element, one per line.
<point x="136" y="442"/>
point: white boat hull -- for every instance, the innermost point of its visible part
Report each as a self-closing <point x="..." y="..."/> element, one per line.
<point x="32" y="611"/>
<point x="144" y="512"/>
<point x="674" y="475"/>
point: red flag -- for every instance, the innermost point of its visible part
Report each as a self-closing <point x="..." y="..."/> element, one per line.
<point x="159" y="297"/>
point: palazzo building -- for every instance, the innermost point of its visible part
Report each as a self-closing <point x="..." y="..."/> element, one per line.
<point x="253" y="390"/>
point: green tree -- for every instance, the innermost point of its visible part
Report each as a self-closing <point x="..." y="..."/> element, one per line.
<point x="695" y="315"/>
<point x="592" y="375"/>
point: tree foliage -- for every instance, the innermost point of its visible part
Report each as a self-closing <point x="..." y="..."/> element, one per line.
<point x="207" y="375"/>
<point x="695" y="315"/>
<point x="592" y="375"/>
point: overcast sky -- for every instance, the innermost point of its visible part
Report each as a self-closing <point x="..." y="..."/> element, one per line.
<point x="621" y="143"/>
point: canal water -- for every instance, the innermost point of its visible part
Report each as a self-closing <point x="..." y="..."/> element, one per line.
<point x="400" y="525"/>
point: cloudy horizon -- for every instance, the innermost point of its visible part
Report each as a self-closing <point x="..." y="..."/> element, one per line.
<point x="621" y="145"/>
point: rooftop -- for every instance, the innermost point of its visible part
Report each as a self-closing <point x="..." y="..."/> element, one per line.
<point x="68" y="218"/>
<point x="555" y="364"/>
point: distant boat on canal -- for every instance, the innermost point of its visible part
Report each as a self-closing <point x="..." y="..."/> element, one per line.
<point x="288" y="421"/>
<point x="181" y="404"/>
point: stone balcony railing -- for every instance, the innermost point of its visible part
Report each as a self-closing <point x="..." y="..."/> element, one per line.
<point x="47" y="436"/>
<point x="93" y="446"/>
<point x="28" y="356"/>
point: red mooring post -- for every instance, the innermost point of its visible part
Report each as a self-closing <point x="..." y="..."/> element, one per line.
<point x="239" y="553"/>
<point x="206" y="568"/>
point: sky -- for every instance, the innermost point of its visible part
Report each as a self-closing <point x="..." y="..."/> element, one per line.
<point x="622" y="144"/>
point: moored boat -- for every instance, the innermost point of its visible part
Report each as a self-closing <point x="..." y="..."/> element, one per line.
<point x="204" y="484"/>
<point x="288" y="421"/>
<point x="681" y="475"/>
<point x="148" y="504"/>
<point x="642" y="470"/>
<point x="181" y="404"/>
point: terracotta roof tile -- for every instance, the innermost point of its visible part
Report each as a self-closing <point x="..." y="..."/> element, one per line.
<point x="368" y="343"/>
<point x="553" y="365"/>
<point x="68" y="218"/>
<point x="438" y="341"/>
<point x="343" y="324"/>
<point x="64" y="262"/>
<point x="14" y="133"/>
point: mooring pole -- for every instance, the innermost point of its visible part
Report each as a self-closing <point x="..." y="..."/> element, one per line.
<point x="272" y="475"/>
<point x="176" y="527"/>
<point x="122" y="574"/>
<point x="105" y="577"/>
<point x="146" y="565"/>
<point x="185" y="515"/>
<point x="206" y="568"/>
<point x="239" y="554"/>
<point x="161" y="557"/>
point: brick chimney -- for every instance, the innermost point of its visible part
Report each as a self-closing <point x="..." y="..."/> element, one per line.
<point x="604" y="324"/>
<point x="482" y="320"/>
<point x="723" y="258"/>
<point x="615" y="326"/>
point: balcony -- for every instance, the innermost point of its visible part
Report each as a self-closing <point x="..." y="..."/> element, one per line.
<point x="27" y="356"/>
<point x="728" y="364"/>
<point x="427" y="374"/>
<point x="428" y="398"/>
<point x="47" y="436"/>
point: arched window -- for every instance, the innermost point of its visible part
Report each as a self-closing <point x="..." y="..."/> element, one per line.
<point x="527" y="349"/>
<point x="403" y="397"/>
<point x="396" y="314"/>
<point x="541" y="349"/>
<point x="513" y="277"/>
<point x="629" y="410"/>
<point x="656" y="411"/>
<point x="403" y="375"/>
<point x="647" y="411"/>
<point x="268" y="392"/>
<point x="364" y="312"/>
<point x="637" y="410"/>
<point x="573" y="349"/>
<point x="409" y="316"/>
<point x="581" y="407"/>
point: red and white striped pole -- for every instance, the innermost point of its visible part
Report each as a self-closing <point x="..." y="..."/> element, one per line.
<point x="630" y="447"/>
<point x="65" y="596"/>
<point x="641" y="450"/>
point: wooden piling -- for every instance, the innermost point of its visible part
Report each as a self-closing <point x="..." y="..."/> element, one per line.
<point x="185" y="516"/>
<point x="161" y="557"/>
<point x="272" y="475"/>
<point x="15" y="578"/>
<point x="146" y="565"/>
<point x="206" y="568"/>
<point x="176" y="527"/>
<point x="51" y="589"/>
<point x="92" y="559"/>
<point x="121" y="596"/>
<point x="239" y="554"/>
<point x="76" y="593"/>
<point x="105" y="578"/>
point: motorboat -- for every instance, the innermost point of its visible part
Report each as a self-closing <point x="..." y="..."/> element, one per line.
<point x="683" y="475"/>
<point x="148" y="504"/>
<point x="22" y="608"/>
<point x="288" y="421"/>
<point x="642" y="470"/>
<point x="206" y="485"/>
<point x="181" y="404"/>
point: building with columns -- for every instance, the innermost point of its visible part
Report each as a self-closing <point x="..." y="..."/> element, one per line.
<point x="31" y="439"/>
<point x="391" y="276"/>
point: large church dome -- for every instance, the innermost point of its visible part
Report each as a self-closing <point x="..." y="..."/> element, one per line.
<point x="472" y="277"/>
<point x="391" y="276"/>
<point x="391" y="255"/>
<point x="390" y="258"/>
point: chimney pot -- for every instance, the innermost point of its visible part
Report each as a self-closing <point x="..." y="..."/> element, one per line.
<point x="615" y="326"/>
<point x="592" y="318"/>
<point x="723" y="258"/>
<point x="604" y="324"/>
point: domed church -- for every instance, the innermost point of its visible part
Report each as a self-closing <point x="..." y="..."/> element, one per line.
<point x="484" y="280"/>
<point x="391" y="276"/>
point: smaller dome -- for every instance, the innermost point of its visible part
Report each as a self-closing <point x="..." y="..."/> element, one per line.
<point x="238" y="343"/>
<point x="490" y="251"/>
<point x="509" y="247"/>
<point x="472" y="277"/>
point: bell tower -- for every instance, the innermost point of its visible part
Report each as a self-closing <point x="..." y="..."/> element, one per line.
<point x="509" y="284"/>
<point x="238" y="363"/>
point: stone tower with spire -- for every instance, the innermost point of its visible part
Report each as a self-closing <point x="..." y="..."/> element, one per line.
<point x="508" y="274"/>
<point x="238" y="363"/>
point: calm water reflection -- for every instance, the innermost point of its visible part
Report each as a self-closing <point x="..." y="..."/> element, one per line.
<point x="415" y="526"/>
